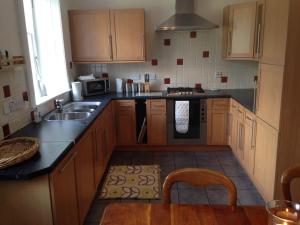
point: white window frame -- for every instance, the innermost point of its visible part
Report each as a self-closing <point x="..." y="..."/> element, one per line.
<point x="30" y="76"/>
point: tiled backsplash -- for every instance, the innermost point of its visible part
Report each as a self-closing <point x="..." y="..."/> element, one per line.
<point x="13" y="89"/>
<point x="184" y="58"/>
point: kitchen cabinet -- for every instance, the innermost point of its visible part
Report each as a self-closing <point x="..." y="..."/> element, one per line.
<point x="63" y="191"/>
<point x="265" y="159"/>
<point x="269" y="93"/>
<point x="217" y="121"/>
<point x="125" y="122"/>
<point x="242" y="24"/>
<point x="249" y="143"/>
<point x="128" y="34"/>
<point x="91" y="39"/>
<point x="156" y="122"/>
<point x="107" y="36"/>
<point x="233" y="126"/>
<point x="84" y="166"/>
<point x="240" y="133"/>
<point x="275" y="32"/>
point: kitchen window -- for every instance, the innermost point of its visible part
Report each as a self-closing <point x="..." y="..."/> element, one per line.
<point x="46" y="52"/>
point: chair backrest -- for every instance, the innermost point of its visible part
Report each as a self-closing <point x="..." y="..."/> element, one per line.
<point x="199" y="178"/>
<point x="286" y="179"/>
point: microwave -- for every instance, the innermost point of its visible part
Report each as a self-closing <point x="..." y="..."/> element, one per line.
<point x="95" y="87"/>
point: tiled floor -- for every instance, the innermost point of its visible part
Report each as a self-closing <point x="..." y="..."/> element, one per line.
<point x="222" y="161"/>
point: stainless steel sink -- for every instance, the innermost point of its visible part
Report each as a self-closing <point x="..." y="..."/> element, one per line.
<point x="74" y="111"/>
<point x="69" y="116"/>
<point x="81" y="107"/>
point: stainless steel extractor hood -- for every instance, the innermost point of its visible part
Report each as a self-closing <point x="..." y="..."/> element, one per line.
<point x="185" y="19"/>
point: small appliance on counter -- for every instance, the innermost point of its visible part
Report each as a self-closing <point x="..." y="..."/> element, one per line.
<point x="119" y="85"/>
<point x="77" y="91"/>
<point x="94" y="86"/>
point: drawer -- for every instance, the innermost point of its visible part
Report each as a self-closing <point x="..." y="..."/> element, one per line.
<point x="218" y="103"/>
<point x="249" y="118"/>
<point x="122" y="103"/>
<point x="157" y="104"/>
<point x="241" y="112"/>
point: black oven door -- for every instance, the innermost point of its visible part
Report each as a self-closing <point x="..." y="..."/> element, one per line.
<point x="194" y="121"/>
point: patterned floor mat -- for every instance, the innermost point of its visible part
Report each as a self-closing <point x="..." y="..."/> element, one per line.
<point x="132" y="182"/>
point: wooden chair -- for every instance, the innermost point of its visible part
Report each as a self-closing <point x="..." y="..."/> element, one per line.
<point x="286" y="179"/>
<point x="199" y="177"/>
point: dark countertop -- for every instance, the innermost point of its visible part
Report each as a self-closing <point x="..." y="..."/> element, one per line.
<point x="58" y="137"/>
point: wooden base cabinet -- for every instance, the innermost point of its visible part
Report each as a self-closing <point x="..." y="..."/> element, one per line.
<point x="265" y="159"/>
<point x="125" y="122"/>
<point x="157" y="122"/>
<point x="217" y="121"/>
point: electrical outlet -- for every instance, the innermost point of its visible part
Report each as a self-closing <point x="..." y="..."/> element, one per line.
<point x="218" y="74"/>
<point x="16" y="105"/>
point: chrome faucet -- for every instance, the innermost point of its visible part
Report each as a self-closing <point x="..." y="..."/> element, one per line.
<point x="58" y="104"/>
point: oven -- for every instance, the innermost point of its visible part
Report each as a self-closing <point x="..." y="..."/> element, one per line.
<point x="197" y="123"/>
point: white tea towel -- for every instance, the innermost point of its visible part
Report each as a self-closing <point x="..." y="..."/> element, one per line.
<point x="182" y="116"/>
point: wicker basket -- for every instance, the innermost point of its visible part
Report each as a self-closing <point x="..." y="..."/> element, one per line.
<point x="16" y="150"/>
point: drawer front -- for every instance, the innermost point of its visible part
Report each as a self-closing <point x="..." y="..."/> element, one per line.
<point x="249" y="118"/>
<point x="241" y="112"/>
<point x="157" y="105"/>
<point x="125" y="105"/>
<point x="219" y="103"/>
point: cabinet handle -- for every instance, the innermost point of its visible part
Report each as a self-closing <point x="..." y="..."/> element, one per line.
<point x="96" y="144"/>
<point x="229" y="42"/>
<point x="258" y="40"/>
<point x="143" y="46"/>
<point x="253" y="135"/>
<point x="240" y="111"/>
<point x="110" y="47"/>
<point x="248" y="118"/>
<point x="68" y="162"/>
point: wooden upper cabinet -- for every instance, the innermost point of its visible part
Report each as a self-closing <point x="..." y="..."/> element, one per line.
<point x="128" y="32"/>
<point x="90" y="35"/>
<point x="242" y="24"/>
<point x="125" y="122"/>
<point x="269" y="94"/>
<point x="157" y="122"/>
<point x="63" y="191"/>
<point x="107" y="35"/>
<point x="275" y="32"/>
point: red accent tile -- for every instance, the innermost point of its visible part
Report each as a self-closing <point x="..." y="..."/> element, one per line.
<point x="193" y="34"/>
<point x="6" y="130"/>
<point x="105" y="75"/>
<point x="255" y="78"/>
<point x="167" y="42"/>
<point x="32" y="115"/>
<point x="129" y="81"/>
<point x="6" y="91"/>
<point x="224" y="79"/>
<point x="198" y="85"/>
<point x="179" y="62"/>
<point x="25" y="96"/>
<point x="154" y="62"/>
<point x="205" y="54"/>
<point x="167" y="81"/>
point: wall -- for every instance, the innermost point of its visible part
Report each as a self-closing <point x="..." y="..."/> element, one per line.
<point x="195" y="68"/>
<point x="16" y="78"/>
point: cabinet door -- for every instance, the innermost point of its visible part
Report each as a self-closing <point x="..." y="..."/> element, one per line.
<point x="100" y="150"/>
<point x="90" y="36"/>
<point x="242" y="20"/>
<point x="128" y="32"/>
<point x="156" y="122"/>
<point x="265" y="159"/>
<point x="269" y="93"/>
<point x="249" y="152"/>
<point x="63" y="192"/>
<point x="275" y="32"/>
<point x="84" y="164"/>
<point x="217" y="120"/>
<point x="240" y="140"/>
<point x="125" y="122"/>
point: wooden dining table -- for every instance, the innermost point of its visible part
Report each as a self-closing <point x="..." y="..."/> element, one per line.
<point x="174" y="214"/>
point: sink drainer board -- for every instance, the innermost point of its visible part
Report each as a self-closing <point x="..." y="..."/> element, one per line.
<point x="132" y="182"/>
<point x="16" y="150"/>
